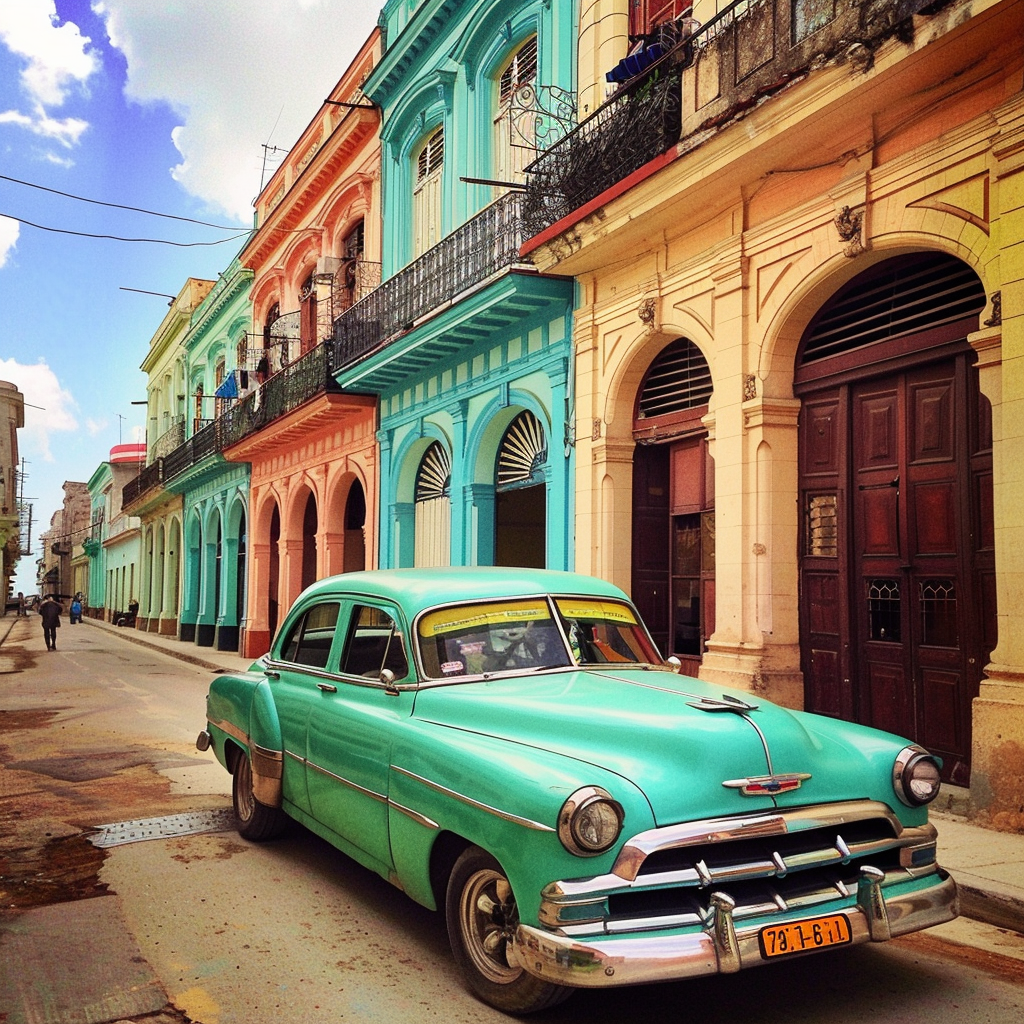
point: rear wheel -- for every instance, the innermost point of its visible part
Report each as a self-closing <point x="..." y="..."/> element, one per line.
<point x="482" y="919"/>
<point x="253" y="820"/>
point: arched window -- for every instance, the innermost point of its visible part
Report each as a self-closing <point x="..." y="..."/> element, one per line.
<point x="426" y="204"/>
<point x="433" y="507"/>
<point x="513" y="151"/>
<point x="524" y="449"/>
<point x="307" y="314"/>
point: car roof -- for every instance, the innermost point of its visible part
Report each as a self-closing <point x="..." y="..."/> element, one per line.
<point x="416" y="589"/>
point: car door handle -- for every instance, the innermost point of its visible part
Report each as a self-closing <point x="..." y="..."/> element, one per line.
<point x="271" y="674"/>
<point x="327" y="687"/>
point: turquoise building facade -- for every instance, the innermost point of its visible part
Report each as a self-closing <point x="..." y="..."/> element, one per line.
<point x="466" y="346"/>
<point x="215" y="492"/>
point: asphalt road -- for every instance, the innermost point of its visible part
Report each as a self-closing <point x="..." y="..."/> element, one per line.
<point x="216" y="930"/>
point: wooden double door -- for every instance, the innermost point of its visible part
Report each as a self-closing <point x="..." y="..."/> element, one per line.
<point x="897" y="601"/>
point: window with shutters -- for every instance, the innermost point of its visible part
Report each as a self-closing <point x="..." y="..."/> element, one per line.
<point x="426" y="201"/>
<point x="512" y="147"/>
<point x="647" y="15"/>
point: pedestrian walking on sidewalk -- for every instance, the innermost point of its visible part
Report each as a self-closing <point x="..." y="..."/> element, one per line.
<point x="76" y="610"/>
<point x="49" y="612"/>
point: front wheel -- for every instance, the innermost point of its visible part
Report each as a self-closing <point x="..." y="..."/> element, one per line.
<point x="253" y="820"/>
<point x="482" y="917"/>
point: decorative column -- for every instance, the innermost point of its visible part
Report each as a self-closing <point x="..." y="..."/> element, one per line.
<point x="997" y="760"/>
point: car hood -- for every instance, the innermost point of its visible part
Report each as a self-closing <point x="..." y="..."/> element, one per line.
<point x="670" y="736"/>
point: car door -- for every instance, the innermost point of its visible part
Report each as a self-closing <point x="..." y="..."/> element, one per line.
<point x="296" y="676"/>
<point x="351" y="730"/>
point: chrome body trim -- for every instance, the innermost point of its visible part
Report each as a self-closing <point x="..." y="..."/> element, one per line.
<point x="497" y="812"/>
<point x="717" y="946"/>
<point x="348" y="782"/>
<point x="420" y="819"/>
<point x="747" y="826"/>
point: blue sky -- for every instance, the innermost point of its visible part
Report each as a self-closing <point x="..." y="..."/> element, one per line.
<point x="165" y="107"/>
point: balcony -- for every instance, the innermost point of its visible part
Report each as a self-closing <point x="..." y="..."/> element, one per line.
<point x="748" y="52"/>
<point x="169" y="439"/>
<point x="310" y="375"/>
<point x="481" y="248"/>
<point x="152" y="476"/>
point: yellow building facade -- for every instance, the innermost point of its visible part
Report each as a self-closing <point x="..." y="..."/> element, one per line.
<point x="799" y="364"/>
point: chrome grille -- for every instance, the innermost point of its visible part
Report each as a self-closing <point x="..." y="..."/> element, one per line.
<point x="771" y="863"/>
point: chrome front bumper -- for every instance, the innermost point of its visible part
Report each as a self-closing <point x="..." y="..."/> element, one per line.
<point x="720" y="948"/>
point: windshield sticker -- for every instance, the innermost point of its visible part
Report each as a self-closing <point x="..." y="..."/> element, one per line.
<point x="453" y="668"/>
<point x="467" y="618"/>
<point x="588" y="608"/>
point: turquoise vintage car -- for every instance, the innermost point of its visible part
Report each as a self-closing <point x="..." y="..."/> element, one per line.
<point x="508" y="745"/>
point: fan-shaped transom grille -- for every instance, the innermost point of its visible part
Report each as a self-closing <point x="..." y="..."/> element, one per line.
<point x="523" y="451"/>
<point x="898" y="297"/>
<point x="679" y="379"/>
<point x="522" y="69"/>
<point x="434" y="477"/>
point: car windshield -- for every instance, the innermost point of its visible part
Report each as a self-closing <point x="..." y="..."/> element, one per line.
<point x="523" y="635"/>
<point x="603" y="632"/>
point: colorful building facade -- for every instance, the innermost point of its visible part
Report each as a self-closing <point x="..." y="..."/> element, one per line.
<point x="798" y="342"/>
<point x="159" y="509"/>
<point x="312" y="449"/>
<point x="214" y="492"/>
<point x="466" y="345"/>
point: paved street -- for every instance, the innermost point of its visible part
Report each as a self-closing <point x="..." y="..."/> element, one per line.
<point x="211" y="929"/>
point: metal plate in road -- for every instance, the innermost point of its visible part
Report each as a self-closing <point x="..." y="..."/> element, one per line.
<point x="168" y="827"/>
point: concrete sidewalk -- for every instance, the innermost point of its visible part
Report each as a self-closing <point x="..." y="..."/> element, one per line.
<point x="204" y="657"/>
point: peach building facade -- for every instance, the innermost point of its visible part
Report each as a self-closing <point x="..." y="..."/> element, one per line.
<point x="839" y="514"/>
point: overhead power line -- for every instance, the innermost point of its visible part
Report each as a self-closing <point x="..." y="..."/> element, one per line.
<point x="119" y="238"/>
<point x="119" y="206"/>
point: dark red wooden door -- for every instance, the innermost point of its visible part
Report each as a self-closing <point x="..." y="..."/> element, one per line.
<point x="897" y="614"/>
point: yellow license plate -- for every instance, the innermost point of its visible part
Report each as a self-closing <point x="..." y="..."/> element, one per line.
<point x="804" y="936"/>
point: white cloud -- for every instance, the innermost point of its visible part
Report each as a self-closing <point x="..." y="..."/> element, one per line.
<point x="239" y="75"/>
<point x="49" y="408"/>
<point x="9" y="231"/>
<point x="57" y="56"/>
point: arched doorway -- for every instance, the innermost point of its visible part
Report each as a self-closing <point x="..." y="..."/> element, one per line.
<point x="310" y="524"/>
<point x="520" y="514"/>
<point x="673" y="543"/>
<point x="241" y="575"/>
<point x="355" y="529"/>
<point x="897" y="567"/>
<point x="433" y="507"/>
<point x="274" y="572"/>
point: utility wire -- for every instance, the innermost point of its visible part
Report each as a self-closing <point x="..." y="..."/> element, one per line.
<point x="119" y="238"/>
<point x="118" y="206"/>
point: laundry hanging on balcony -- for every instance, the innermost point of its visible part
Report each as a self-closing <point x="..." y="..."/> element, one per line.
<point x="228" y="387"/>
<point x="652" y="47"/>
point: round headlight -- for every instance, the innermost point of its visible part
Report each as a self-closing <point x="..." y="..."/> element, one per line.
<point x="915" y="776"/>
<point x="590" y="821"/>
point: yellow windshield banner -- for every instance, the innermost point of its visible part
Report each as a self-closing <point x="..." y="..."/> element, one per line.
<point x="467" y="618"/>
<point x="591" y="608"/>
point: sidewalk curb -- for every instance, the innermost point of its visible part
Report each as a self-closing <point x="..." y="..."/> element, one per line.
<point x="988" y="905"/>
<point x="135" y="637"/>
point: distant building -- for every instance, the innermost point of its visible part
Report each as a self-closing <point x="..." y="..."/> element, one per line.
<point x="12" y="418"/>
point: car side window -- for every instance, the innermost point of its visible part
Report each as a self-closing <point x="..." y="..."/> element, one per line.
<point x="310" y="640"/>
<point x="375" y="642"/>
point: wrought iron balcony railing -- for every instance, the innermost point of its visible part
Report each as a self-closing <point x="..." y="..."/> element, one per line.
<point x="640" y="122"/>
<point x="310" y="375"/>
<point x="485" y="245"/>
<point x="169" y="439"/>
<point x="151" y="476"/>
<point x="701" y="84"/>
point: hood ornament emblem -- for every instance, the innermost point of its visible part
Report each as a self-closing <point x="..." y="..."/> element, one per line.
<point x="768" y="785"/>
<point x="723" y="703"/>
